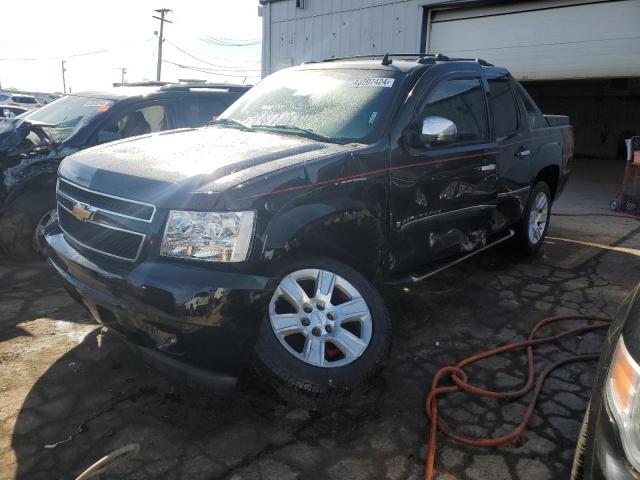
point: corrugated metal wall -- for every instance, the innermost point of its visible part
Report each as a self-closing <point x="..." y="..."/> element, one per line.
<point x="331" y="28"/>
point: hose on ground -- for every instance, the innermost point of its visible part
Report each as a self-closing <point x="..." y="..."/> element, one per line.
<point x="108" y="462"/>
<point x="461" y="383"/>
<point x="596" y="214"/>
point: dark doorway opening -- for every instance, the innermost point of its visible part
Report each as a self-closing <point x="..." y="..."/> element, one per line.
<point x="603" y="112"/>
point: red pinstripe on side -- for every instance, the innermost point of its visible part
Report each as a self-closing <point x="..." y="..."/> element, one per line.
<point x="370" y="172"/>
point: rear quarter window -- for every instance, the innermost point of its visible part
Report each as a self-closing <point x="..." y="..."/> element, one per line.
<point x="503" y="107"/>
<point x="536" y="119"/>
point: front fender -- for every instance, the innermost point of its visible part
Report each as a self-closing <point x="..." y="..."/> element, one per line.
<point x="340" y="222"/>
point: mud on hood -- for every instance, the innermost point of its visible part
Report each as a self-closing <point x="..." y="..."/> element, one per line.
<point x="174" y="157"/>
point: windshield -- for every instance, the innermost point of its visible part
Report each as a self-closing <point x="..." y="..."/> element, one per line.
<point x="67" y="115"/>
<point x="341" y="105"/>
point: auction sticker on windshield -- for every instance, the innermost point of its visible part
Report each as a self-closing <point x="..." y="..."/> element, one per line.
<point x="97" y="103"/>
<point x="373" y="82"/>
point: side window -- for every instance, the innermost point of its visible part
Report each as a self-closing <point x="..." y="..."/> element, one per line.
<point x="536" y="119"/>
<point x="196" y="112"/>
<point x="503" y="107"/>
<point x="137" y="122"/>
<point x="462" y="102"/>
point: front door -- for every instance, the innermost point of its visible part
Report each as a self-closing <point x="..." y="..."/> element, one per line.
<point x="443" y="194"/>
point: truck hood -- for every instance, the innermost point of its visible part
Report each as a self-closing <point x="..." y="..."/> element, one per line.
<point x="183" y="159"/>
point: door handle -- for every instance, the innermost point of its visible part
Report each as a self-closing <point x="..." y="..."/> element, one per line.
<point x="523" y="153"/>
<point x="488" y="168"/>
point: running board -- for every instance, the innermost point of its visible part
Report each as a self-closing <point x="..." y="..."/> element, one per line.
<point x="418" y="277"/>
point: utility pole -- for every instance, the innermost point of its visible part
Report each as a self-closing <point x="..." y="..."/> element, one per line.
<point x="162" y="12"/>
<point x="64" y="82"/>
<point x="123" y="71"/>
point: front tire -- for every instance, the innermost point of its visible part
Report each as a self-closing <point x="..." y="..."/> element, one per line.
<point x="325" y="335"/>
<point x="532" y="229"/>
<point x="23" y="221"/>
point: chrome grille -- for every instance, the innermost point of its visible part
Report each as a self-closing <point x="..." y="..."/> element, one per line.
<point x="84" y="217"/>
<point x="122" y="207"/>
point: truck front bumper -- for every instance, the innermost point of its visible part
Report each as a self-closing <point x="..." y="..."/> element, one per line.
<point x="190" y="320"/>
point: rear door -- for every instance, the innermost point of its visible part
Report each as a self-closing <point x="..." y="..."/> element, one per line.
<point x="443" y="196"/>
<point x="513" y="141"/>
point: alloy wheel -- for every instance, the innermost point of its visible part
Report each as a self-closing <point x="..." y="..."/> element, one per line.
<point x="320" y="318"/>
<point x="538" y="218"/>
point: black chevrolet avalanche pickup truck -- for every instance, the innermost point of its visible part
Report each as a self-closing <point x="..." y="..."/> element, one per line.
<point x="263" y="236"/>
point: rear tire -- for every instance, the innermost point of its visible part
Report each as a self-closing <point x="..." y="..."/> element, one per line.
<point x="532" y="229"/>
<point x="330" y="345"/>
<point x="23" y="221"/>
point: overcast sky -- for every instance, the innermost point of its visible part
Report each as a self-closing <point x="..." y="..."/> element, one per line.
<point x="47" y="30"/>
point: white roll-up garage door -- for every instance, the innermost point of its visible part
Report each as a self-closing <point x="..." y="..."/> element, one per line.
<point x="545" y="39"/>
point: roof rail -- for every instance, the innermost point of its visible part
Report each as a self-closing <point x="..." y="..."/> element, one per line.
<point x="420" y="57"/>
<point x="232" y="87"/>
<point x="148" y="83"/>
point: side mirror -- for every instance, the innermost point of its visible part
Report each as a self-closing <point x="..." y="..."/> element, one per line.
<point x="438" y="130"/>
<point x="105" y="136"/>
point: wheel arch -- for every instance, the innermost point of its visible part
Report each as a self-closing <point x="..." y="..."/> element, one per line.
<point x="332" y="224"/>
<point x="549" y="174"/>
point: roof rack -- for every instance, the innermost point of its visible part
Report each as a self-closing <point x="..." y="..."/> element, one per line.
<point x="420" y="58"/>
<point x="147" y="83"/>
<point x="185" y="86"/>
<point x="231" y="87"/>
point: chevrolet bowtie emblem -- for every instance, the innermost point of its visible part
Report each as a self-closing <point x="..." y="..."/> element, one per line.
<point x="82" y="212"/>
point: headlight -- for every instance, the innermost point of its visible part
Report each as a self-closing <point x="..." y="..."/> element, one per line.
<point x="623" y="384"/>
<point x="209" y="236"/>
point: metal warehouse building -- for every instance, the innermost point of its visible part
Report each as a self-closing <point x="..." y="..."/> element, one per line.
<point x="576" y="57"/>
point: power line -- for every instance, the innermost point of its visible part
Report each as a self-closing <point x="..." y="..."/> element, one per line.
<point x="209" y="70"/>
<point x="74" y="55"/>
<point x="230" y="42"/>
<point x="229" y="68"/>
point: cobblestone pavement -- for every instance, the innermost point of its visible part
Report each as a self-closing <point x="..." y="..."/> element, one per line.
<point x="65" y="402"/>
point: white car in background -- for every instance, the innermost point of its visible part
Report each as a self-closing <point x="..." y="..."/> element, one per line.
<point x="19" y="100"/>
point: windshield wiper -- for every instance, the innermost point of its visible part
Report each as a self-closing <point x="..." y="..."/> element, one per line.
<point x="296" y="131"/>
<point x="231" y="123"/>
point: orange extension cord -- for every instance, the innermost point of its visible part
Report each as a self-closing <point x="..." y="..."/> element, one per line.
<point x="596" y="214"/>
<point x="460" y="380"/>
